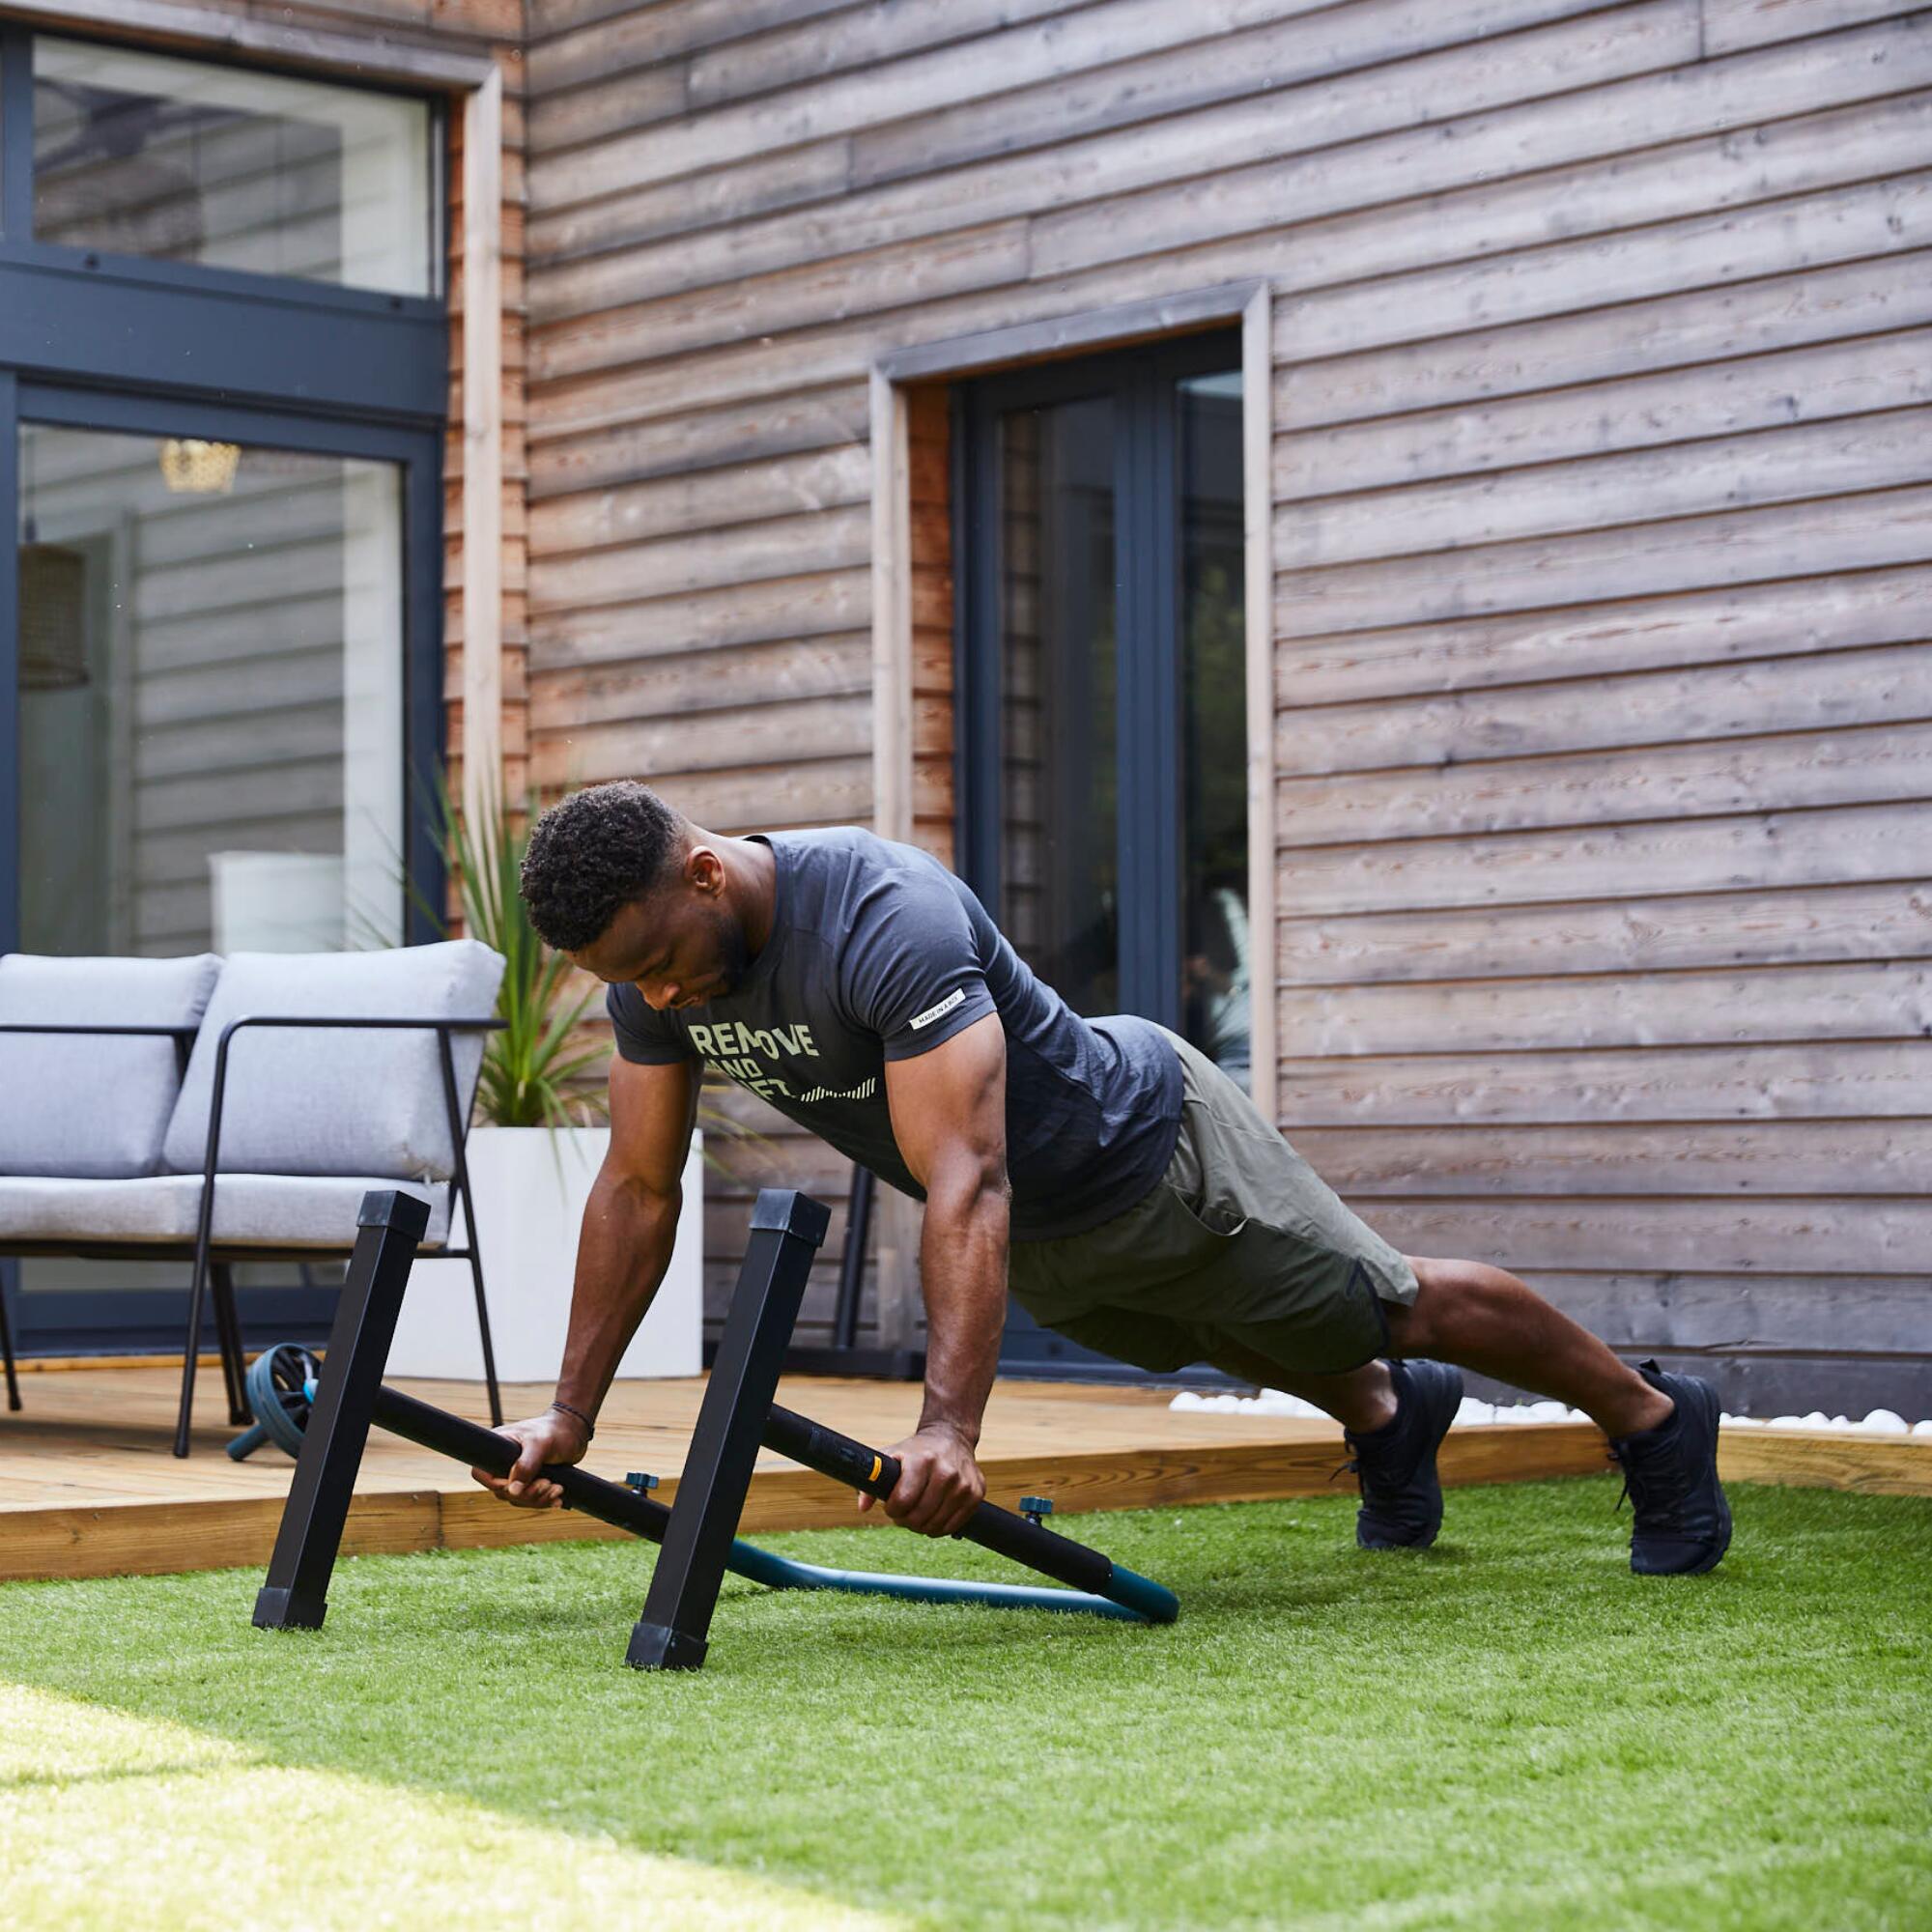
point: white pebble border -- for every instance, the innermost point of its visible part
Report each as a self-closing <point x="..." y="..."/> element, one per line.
<point x="1278" y="1402"/>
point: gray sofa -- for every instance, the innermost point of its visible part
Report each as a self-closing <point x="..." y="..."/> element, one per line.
<point x="236" y="1110"/>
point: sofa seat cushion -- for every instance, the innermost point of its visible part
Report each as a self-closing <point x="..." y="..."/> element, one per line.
<point x="281" y="1210"/>
<point x="98" y="1107"/>
<point x="331" y="1101"/>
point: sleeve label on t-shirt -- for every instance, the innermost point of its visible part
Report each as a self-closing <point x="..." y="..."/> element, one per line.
<point x="944" y="1006"/>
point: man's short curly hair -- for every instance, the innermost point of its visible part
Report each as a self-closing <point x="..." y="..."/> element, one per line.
<point x="592" y="854"/>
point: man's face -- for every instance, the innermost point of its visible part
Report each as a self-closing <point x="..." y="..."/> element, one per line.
<point x="680" y="947"/>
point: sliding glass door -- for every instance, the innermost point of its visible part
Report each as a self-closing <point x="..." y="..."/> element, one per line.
<point x="1103" y="679"/>
<point x="222" y="670"/>
<point x="211" y="695"/>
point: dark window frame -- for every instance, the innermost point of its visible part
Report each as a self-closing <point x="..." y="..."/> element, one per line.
<point x="121" y="344"/>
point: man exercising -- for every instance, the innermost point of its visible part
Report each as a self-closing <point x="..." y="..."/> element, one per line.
<point x="1115" y="1178"/>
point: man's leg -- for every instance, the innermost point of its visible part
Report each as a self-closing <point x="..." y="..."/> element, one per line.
<point x="1484" y="1318"/>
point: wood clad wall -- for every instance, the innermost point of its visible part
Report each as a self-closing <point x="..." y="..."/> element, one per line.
<point x="1601" y="480"/>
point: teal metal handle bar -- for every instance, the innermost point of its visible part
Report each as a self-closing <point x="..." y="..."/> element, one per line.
<point x="1086" y="1571"/>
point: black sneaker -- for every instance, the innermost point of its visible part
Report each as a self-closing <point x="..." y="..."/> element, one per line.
<point x="1402" y="1501"/>
<point x="1682" y="1524"/>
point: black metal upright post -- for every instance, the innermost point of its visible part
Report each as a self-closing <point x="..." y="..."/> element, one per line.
<point x="7" y="1351"/>
<point x="787" y="1229"/>
<point x="388" y="1228"/>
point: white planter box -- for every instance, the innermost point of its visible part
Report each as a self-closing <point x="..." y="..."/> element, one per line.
<point x="530" y="1223"/>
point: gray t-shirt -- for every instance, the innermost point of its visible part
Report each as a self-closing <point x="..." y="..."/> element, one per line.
<point x="877" y="953"/>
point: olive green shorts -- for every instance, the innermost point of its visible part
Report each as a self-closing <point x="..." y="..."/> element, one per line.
<point x="1239" y="1242"/>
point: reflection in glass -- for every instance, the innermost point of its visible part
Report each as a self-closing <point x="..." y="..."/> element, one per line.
<point x="210" y="719"/>
<point x="211" y="699"/>
<point x="139" y="153"/>
<point x="1216" y="947"/>
<point x="1057" y="889"/>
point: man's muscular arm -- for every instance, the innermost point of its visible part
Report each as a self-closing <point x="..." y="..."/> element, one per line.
<point x="630" y="1225"/>
<point x="949" y="1111"/>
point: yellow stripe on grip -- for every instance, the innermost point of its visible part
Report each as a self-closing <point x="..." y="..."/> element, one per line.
<point x="878" y="1463"/>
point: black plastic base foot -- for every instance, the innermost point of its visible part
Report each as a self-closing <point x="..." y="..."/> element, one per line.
<point x="289" y="1610"/>
<point x="658" y="1647"/>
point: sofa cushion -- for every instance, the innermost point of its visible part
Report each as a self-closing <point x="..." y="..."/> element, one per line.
<point x="323" y="1100"/>
<point x="270" y="1209"/>
<point x="92" y="1108"/>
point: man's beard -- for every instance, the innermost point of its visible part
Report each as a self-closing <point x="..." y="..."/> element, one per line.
<point x="733" y="956"/>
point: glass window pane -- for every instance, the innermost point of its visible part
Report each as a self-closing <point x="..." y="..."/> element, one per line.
<point x="1216" y="948"/>
<point x="1059" y="783"/>
<point x="212" y="697"/>
<point x="138" y="154"/>
<point x="210" y="724"/>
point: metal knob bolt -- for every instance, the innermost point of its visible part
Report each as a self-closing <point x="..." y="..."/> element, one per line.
<point x="640" y="1481"/>
<point x="1033" y="1507"/>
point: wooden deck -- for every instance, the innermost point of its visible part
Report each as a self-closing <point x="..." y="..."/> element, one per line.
<point x="88" y="1488"/>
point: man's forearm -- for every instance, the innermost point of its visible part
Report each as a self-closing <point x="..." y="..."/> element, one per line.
<point x="622" y="1254"/>
<point x="963" y="1272"/>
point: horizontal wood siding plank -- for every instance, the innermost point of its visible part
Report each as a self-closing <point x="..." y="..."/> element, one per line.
<point x="1547" y="355"/>
<point x="1826" y="1080"/>
<point x="615" y="226"/>
<point x="1891" y="920"/>
<point x="764" y="429"/>
<point x="781" y="546"/>
<point x="1819" y="1236"/>
<point x="1787" y="618"/>
<point x="1730" y="24"/>
<point x="1836" y="534"/>
<point x="1791" y="1313"/>
<point x="695" y="741"/>
<point x="709" y="680"/>
<point x="575" y="42"/>
<point x="1650" y="781"/>
<point x="1678" y="708"/>
<point x="636" y="97"/>
<point x="1890" y="1000"/>
<point x="1813" y="384"/>
<point x="781" y="608"/>
<point x="788" y="57"/>
<point x="712" y="500"/>
<point x="1841" y="1158"/>
<point x="1687" y="478"/>
<point x="1705" y="855"/>
<point x="747" y="798"/>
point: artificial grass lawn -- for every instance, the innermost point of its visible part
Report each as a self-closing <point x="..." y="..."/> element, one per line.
<point x="1507" y="1731"/>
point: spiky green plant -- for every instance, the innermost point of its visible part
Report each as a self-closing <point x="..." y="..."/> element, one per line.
<point x="530" y="1067"/>
<point x="531" y="1076"/>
